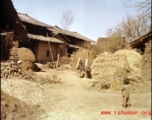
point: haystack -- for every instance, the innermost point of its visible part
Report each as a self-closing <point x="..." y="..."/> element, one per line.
<point x="134" y="59"/>
<point x="117" y="66"/>
<point x="82" y="54"/>
<point x="27" y="57"/>
<point x="109" y="66"/>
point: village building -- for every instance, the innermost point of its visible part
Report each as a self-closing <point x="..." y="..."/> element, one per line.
<point x="73" y="40"/>
<point x="32" y="35"/>
<point x="142" y="43"/>
<point x="143" y="46"/>
<point x="44" y="46"/>
<point x="11" y="28"/>
<point x="45" y="41"/>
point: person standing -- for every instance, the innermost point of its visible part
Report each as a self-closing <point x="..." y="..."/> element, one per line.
<point x="126" y="93"/>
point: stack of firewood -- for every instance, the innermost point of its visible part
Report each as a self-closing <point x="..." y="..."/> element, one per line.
<point x="12" y="67"/>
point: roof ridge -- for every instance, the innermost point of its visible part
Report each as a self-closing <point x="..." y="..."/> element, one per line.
<point x="22" y="13"/>
<point x="64" y="29"/>
<point x="38" y="21"/>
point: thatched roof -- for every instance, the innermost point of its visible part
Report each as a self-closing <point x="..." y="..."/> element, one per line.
<point x="28" y="19"/>
<point x="42" y="38"/>
<point x="56" y="30"/>
<point x="141" y="40"/>
<point x="8" y="10"/>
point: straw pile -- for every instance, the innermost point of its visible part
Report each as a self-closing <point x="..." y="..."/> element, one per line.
<point x="83" y="54"/>
<point x="27" y="57"/>
<point x="117" y="66"/>
<point x="134" y="60"/>
<point x="42" y="79"/>
<point x="108" y="66"/>
<point x="115" y="84"/>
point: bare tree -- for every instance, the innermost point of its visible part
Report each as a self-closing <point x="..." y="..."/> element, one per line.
<point x="142" y="6"/>
<point x="67" y="19"/>
<point x="109" y="32"/>
<point x="130" y="28"/>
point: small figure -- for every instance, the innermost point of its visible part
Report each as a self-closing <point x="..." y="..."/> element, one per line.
<point x="126" y="93"/>
<point x="81" y="69"/>
<point x="88" y="71"/>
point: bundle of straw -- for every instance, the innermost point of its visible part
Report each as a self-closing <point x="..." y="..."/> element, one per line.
<point x="121" y="64"/>
<point x="134" y="59"/>
<point x="109" y="66"/>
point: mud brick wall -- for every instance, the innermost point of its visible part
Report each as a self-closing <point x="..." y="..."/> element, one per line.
<point x="146" y="62"/>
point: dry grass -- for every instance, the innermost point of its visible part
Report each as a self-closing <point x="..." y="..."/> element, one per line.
<point x="109" y="66"/>
<point x="134" y="60"/>
<point x="116" y="85"/>
<point x="113" y="68"/>
<point x="42" y="79"/>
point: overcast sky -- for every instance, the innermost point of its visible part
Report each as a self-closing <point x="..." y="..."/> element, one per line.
<point x="92" y="18"/>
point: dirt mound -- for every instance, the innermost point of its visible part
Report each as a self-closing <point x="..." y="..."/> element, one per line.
<point x="27" y="57"/>
<point x="83" y="54"/>
<point x="30" y="93"/>
<point x="13" y="109"/>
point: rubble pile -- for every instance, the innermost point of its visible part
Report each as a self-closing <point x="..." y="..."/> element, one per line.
<point x="12" y="67"/>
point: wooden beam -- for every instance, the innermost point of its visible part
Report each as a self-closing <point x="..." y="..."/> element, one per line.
<point x="50" y="49"/>
<point x="57" y="62"/>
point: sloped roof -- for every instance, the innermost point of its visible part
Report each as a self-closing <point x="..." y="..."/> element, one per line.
<point x="56" y="30"/>
<point x="42" y="38"/>
<point x="141" y="39"/>
<point x="31" y="20"/>
<point x="8" y="9"/>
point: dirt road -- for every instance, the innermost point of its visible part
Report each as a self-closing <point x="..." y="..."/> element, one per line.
<point x="73" y="100"/>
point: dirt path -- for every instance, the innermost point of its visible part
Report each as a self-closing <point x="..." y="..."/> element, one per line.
<point x="72" y="100"/>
